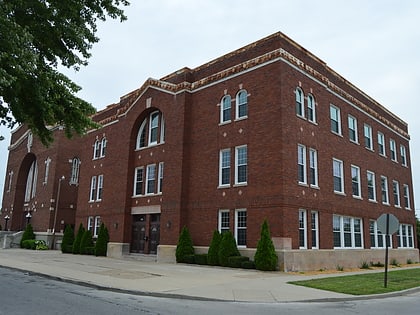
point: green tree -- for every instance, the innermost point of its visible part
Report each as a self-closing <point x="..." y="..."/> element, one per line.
<point x="213" y="253"/>
<point x="265" y="257"/>
<point x="78" y="239"/>
<point x="86" y="243"/>
<point x="68" y="240"/>
<point x="184" y="246"/>
<point x="227" y="248"/>
<point x="28" y="234"/>
<point x="102" y="241"/>
<point x="36" y="37"/>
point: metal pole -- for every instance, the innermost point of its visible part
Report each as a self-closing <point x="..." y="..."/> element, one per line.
<point x="386" y="251"/>
<point x="56" y="210"/>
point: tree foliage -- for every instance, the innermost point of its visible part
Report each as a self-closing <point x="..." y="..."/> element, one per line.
<point x="28" y="234"/>
<point x="185" y="245"/>
<point x="102" y="241"/>
<point x="213" y="253"/>
<point x="227" y="248"/>
<point x="86" y="243"/>
<point x="78" y="239"/>
<point x="36" y="37"/>
<point x="265" y="257"/>
<point x="68" y="240"/>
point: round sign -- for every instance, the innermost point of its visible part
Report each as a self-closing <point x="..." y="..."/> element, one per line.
<point x="393" y="223"/>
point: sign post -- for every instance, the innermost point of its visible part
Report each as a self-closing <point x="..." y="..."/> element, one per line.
<point x="387" y="224"/>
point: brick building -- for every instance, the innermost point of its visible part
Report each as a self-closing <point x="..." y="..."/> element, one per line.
<point x="267" y="131"/>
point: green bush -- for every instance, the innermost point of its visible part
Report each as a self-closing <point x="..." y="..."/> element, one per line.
<point x="184" y="246"/>
<point x="213" y="253"/>
<point x="189" y="259"/>
<point x="41" y="245"/>
<point x="28" y="234"/>
<point x="248" y="264"/>
<point x="236" y="261"/>
<point x="28" y="244"/>
<point x="200" y="259"/>
<point x="227" y="248"/>
<point x="87" y="243"/>
<point x="68" y="240"/>
<point x="265" y="257"/>
<point x="102" y="241"/>
<point x="78" y="239"/>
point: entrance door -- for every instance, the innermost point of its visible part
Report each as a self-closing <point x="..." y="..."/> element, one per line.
<point x="154" y="233"/>
<point x="139" y="234"/>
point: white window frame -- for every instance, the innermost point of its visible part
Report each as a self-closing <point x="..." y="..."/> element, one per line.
<point x="299" y="102"/>
<point x="153" y="127"/>
<point x="355" y="180"/>
<point x="150" y="177"/>
<point x="92" y="193"/>
<point x="222" y="228"/>
<point x="393" y="150"/>
<point x="97" y="149"/>
<point x="406" y="191"/>
<point x="352" y="232"/>
<point x="103" y="147"/>
<point x="226" y="107"/>
<point x="240" y="163"/>
<point x="99" y="191"/>
<point x="313" y="167"/>
<point x="405" y="236"/>
<point x="381" y="144"/>
<point x="396" y="193"/>
<point x="160" y="177"/>
<point x="97" y="226"/>
<point x="239" y="227"/>
<point x="315" y="229"/>
<point x="311" y="108"/>
<point x="140" y="135"/>
<point x="352" y="122"/>
<point x="373" y="185"/>
<point x="378" y="237"/>
<point x="403" y="154"/>
<point x="138" y="181"/>
<point x="303" y="229"/>
<point x="338" y="172"/>
<point x="301" y="161"/>
<point x="335" y="111"/>
<point x="224" y="165"/>
<point x="384" y="190"/>
<point x="240" y="104"/>
<point x="75" y="171"/>
<point x="90" y="223"/>
<point x="367" y="132"/>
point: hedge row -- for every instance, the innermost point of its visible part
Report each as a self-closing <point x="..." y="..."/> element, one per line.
<point x="83" y="242"/>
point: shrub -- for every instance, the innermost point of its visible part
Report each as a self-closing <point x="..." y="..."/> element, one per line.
<point x="41" y="245"/>
<point x="339" y="268"/>
<point x="364" y="265"/>
<point x="236" y="261"/>
<point x="378" y="264"/>
<point x="102" y="241"/>
<point x="213" y="253"/>
<point x="227" y="248"/>
<point x="189" y="259"/>
<point x="27" y="235"/>
<point x="87" y="243"/>
<point x="394" y="262"/>
<point x="78" y="239"/>
<point x="68" y="240"/>
<point x="200" y="259"/>
<point x="184" y="246"/>
<point x="249" y="264"/>
<point x="265" y="257"/>
<point x="28" y="244"/>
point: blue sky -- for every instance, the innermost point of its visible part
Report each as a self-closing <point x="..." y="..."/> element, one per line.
<point x="374" y="44"/>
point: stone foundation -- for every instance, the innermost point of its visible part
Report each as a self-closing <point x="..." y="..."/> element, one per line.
<point x="117" y="250"/>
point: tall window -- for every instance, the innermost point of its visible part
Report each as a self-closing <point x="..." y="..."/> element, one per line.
<point x="75" y="169"/>
<point x="352" y="121"/>
<point x="335" y="119"/>
<point x="405" y="236"/>
<point x="393" y="149"/>
<point x="299" y="102"/>
<point x="311" y="109"/>
<point x="138" y="181"/>
<point x="301" y="164"/>
<point x="151" y="179"/>
<point x="100" y="187"/>
<point x="406" y="196"/>
<point x="240" y="227"/>
<point x="241" y="104"/>
<point x="377" y="238"/>
<point x="338" y="176"/>
<point x="313" y="167"/>
<point x="9" y="186"/>
<point x="93" y="225"/>
<point x="355" y="181"/>
<point x="396" y="193"/>
<point x="384" y="190"/>
<point x="31" y="180"/>
<point x="241" y="169"/>
<point x="314" y="229"/>
<point x="381" y="143"/>
<point x="368" y="137"/>
<point x="403" y="154"/>
<point x="224" y="224"/>
<point x="151" y="131"/>
<point x="302" y="229"/>
<point x="347" y="232"/>
<point x="371" y="186"/>
<point x="224" y="170"/>
<point x="97" y="149"/>
<point x="103" y="147"/>
<point x="92" y="188"/>
<point x="225" y="109"/>
<point x="160" y="176"/>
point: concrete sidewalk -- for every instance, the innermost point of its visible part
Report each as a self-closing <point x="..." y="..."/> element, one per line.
<point x="169" y="280"/>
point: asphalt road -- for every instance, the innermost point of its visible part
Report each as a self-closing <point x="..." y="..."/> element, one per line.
<point x="24" y="293"/>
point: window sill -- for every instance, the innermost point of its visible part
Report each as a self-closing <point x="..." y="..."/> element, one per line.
<point x="337" y="134"/>
<point x="340" y="193"/>
<point x="241" y="118"/>
<point x="372" y="200"/>
<point x="303" y="184"/>
<point x="370" y="149"/>
<point x="355" y="142"/>
<point x="240" y="184"/>
<point x="225" y="122"/>
<point x="386" y="204"/>
<point x="315" y="187"/>
<point x="357" y="197"/>
<point x="223" y="186"/>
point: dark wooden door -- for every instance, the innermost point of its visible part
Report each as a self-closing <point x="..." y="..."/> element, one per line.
<point x="138" y="238"/>
<point x="154" y="233"/>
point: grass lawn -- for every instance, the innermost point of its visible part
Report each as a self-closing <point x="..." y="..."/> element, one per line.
<point x="369" y="283"/>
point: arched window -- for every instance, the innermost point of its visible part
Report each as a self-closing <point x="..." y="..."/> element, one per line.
<point x="103" y="146"/>
<point x="31" y="182"/>
<point x="299" y="103"/>
<point x="75" y="168"/>
<point x="151" y="131"/>
<point x="225" y="109"/>
<point x="241" y="104"/>
<point x="97" y="149"/>
<point x="311" y="110"/>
